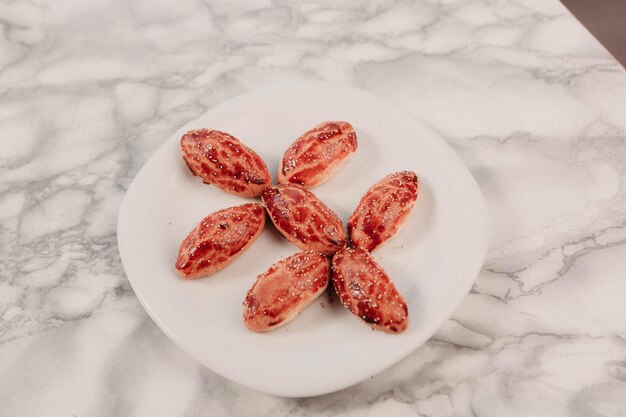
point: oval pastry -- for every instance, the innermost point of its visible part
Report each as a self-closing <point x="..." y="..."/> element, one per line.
<point x="383" y="210"/>
<point x="284" y="290"/>
<point x="221" y="159"/>
<point x="366" y="290"/>
<point x="219" y="239"/>
<point x="317" y="154"/>
<point x="304" y="219"/>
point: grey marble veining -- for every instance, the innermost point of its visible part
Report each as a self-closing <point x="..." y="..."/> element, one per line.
<point x="528" y="99"/>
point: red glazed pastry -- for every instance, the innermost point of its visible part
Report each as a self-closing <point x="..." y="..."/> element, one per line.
<point x="221" y="159"/>
<point x="284" y="290"/>
<point x="303" y="219"/>
<point x="218" y="239"/>
<point x="366" y="290"/>
<point x="383" y="210"/>
<point x="317" y="154"/>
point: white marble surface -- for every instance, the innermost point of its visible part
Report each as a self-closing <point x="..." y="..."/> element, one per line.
<point x="529" y="100"/>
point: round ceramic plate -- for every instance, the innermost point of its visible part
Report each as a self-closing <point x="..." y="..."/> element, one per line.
<point x="433" y="260"/>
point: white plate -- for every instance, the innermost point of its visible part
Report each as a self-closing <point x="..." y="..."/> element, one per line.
<point x="433" y="260"/>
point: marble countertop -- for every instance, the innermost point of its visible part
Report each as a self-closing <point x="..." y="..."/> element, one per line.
<point x="532" y="104"/>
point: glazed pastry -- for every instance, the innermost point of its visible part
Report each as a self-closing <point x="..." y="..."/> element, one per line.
<point x="383" y="209"/>
<point x="303" y="219"/>
<point x="221" y="159"/>
<point x="365" y="289"/>
<point x="219" y="239"/>
<point x="317" y="154"/>
<point x="285" y="289"/>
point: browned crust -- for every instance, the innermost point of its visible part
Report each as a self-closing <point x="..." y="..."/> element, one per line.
<point x="224" y="161"/>
<point x="284" y="290"/>
<point x="383" y="209"/>
<point x="219" y="239"/>
<point x="317" y="154"/>
<point x="365" y="289"/>
<point x="304" y="219"/>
